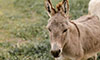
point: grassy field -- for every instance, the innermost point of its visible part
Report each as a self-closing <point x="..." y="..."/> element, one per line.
<point x="23" y="35"/>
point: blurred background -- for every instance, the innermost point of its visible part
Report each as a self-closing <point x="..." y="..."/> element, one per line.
<point x="23" y="33"/>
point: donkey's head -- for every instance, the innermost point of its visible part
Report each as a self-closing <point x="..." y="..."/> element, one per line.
<point x="58" y="26"/>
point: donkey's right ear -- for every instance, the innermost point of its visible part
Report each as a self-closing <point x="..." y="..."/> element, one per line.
<point x="51" y="11"/>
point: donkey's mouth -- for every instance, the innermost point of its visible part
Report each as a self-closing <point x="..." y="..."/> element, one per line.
<point x="55" y="55"/>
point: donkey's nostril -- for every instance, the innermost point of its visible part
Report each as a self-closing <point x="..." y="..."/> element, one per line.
<point x="59" y="51"/>
<point x="55" y="53"/>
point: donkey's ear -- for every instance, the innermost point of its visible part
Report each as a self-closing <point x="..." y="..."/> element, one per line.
<point x="51" y="11"/>
<point x="63" y="6"/>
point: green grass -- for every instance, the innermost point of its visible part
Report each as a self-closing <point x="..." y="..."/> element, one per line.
<point x="26" y="19"/>
<point x="23" y="35"/>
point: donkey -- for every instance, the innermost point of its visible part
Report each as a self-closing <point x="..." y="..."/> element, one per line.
<point x="94" y="7"/>
<point x="73" y="39"/>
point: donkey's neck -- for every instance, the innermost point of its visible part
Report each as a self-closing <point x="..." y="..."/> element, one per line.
<point x="73" y="42"/>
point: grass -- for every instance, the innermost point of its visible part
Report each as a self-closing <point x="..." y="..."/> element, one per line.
<point x="23" y="35"/>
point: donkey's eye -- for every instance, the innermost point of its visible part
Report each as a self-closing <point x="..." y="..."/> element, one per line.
<point x="49" y="29"/>
<point x="64" y="30"/>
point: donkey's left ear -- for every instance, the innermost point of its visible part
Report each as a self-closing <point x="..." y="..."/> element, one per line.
<point x="48" y="5"/>
<point x="63" y="6"/>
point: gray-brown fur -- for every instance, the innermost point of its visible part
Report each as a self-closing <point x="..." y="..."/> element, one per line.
<point x="76" y="39"/>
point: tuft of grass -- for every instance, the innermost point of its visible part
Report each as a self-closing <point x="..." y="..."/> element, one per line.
<point x="27" y="51"/>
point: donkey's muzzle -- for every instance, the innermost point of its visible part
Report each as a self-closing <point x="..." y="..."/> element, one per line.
<point x="55" y="53"/>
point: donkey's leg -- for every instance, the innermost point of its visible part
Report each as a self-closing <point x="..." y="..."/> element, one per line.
<point x="93" y="57"/>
